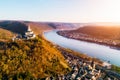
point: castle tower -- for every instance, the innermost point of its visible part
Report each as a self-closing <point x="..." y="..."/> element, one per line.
<point x="29" y="28"/>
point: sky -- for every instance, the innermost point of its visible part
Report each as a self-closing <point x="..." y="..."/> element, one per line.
<point x="61" y="10"/>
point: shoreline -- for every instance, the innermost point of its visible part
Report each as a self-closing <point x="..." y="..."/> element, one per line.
<point x="99" y="60"/>
<point x="69" y="54"/>
<point x="83" y="38"/>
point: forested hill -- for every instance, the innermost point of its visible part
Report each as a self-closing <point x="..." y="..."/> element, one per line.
<point x="5" y="34"/>
<point x="108" y="35"/>
<point x="101" y="32"/>
<point x="14" y="26"/>
<point x="20" y="27"/>
<point x="30" y="59"/>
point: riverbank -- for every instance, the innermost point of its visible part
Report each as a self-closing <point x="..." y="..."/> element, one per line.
<point x="73" y="56"/>
<point x="77" y="61"/>
<point x="83" y="67"/>
<point x="85" y="37"/>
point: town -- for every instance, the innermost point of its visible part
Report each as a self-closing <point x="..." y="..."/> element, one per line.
<point x="85" y="70"/>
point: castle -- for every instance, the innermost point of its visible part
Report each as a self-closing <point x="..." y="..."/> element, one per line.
<point x="29" y="34"/>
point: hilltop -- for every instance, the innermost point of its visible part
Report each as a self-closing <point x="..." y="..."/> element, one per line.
<point x="29" y="59"/>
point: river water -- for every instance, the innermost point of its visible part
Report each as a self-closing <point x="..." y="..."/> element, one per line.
<point x="102" y="52"/>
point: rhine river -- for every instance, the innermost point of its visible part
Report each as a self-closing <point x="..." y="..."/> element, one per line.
<point x="102" y="52"/>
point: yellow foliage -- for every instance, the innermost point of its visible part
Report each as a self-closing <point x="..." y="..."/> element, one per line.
<point x="35" y="58"/>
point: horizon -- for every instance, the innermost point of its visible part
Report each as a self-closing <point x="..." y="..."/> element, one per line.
<point x="74" y="11"/>
<point x="107" y="24"/>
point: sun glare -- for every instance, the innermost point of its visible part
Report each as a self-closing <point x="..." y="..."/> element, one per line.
<point x="109" y="10"/>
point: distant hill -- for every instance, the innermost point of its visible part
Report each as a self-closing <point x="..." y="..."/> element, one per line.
<point x="20" y="27"/>
<point x="14" y="26"/>
<point x="64" y="25"/>
<point x="108" y="35"/>
<point x="39" y="27"/>
<point x="100" y="32"/>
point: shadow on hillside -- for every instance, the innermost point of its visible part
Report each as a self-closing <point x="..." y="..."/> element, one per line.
<point x="14" y="26"/>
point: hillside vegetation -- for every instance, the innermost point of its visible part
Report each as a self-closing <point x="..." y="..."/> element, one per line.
<point x="14" y="26"/>
<point x="100" y="32"/>
<point x="8" y="29"/>
<point x="20" y="27"/>
<point x="30" y="59"/>
<point x="36" y="58"/>
<point x="5" y="34"/>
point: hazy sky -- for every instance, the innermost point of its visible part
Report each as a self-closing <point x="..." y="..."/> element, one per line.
<point x="61" y="10"/>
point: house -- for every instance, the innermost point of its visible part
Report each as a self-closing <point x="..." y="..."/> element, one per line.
<point x="107" y="65"/>
<point x="16" y="37"/>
